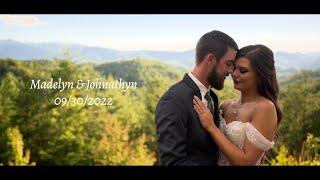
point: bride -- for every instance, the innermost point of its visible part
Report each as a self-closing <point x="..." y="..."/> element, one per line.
<point x="248" y="125"/>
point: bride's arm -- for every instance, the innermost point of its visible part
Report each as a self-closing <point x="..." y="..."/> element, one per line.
<point x="264" y="120"/>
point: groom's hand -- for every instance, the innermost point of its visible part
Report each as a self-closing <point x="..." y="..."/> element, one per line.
<point x="205" y="116"/>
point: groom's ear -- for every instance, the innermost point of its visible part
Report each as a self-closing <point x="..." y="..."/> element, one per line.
<point x="211" y="59"/>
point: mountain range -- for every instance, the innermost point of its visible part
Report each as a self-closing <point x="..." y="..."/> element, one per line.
<point x="286" y="62"/>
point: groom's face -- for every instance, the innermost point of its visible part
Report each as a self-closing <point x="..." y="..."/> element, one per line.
<point x="221" y="69"/>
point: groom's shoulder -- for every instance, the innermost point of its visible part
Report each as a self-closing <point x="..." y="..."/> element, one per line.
<point x="180" y="89"/>
<point x="178" y="92"/>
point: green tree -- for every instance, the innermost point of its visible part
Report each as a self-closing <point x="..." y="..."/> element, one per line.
<point x="14" y="155"/>
<point x="115" y="147"/>
<point x="300" y="102"/>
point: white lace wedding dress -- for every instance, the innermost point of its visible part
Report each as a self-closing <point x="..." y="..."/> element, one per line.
<point x="237" y="132"/>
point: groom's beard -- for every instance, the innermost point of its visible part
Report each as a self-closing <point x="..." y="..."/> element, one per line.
<point x="214" y="80"/>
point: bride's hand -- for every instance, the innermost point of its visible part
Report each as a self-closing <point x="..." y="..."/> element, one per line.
<point x="205" y="116"/>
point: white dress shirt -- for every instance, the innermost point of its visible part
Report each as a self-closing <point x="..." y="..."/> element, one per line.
<point x="203" y="89"/>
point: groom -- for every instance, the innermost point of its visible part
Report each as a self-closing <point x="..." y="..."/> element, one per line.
<point x="181" y="139"/>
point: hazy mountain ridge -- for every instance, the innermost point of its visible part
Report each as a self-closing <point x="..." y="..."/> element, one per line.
<point x="286" y="62"/>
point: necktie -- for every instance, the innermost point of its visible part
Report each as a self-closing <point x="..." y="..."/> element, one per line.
<point x="210" y="106"/>
<point x="210" y="102"/>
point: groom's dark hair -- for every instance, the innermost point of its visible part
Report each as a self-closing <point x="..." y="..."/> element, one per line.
<point x="215" y="42"/>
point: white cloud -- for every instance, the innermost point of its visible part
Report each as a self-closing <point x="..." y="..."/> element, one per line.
<point x="19" y="19"/>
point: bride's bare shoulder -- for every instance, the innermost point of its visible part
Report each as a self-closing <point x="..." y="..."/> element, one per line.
<point x="265" y="118"/>
<point x="265" y="105"/>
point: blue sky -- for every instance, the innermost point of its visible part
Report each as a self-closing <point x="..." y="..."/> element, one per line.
<point x="292" y="33"/>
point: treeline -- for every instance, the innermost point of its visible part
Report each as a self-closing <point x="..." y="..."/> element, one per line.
<point x="299" y="142"/>
<point x="35" y="131"/>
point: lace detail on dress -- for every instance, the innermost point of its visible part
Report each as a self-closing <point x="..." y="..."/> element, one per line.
<point x="256" y="138"/>
<point x="237" y="132"/>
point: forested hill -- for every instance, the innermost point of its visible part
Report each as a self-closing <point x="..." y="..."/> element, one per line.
<point x="140" y="70"/>
<point x="301" y="76"/>
<point x="36" y="131"/>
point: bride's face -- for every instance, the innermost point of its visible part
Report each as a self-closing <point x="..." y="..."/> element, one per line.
<point x="244" y="78"/>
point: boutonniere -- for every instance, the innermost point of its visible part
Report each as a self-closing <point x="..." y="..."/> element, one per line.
<point x="221" y="113"/>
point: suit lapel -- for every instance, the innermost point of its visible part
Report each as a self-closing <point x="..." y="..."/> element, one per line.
<point x="190" y="83"/>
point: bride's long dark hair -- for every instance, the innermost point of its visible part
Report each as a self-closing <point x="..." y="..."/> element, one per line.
<point x="262" y="61"/>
